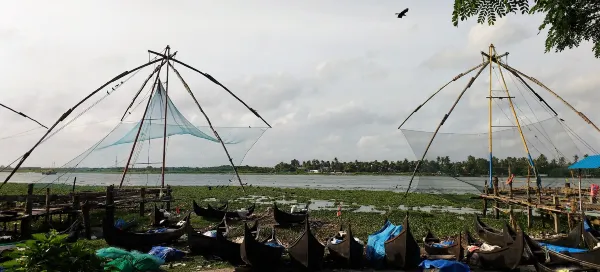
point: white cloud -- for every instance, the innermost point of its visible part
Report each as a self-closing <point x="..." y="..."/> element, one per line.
<point x="333" y="80"/>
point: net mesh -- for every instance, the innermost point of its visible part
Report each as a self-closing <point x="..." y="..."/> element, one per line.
<point x="189" y="149"/>
<point x="459" y="156"/>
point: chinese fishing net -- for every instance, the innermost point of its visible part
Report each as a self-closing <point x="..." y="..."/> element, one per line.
<point x="194" y="155"/>
<point x="458" y="158"/>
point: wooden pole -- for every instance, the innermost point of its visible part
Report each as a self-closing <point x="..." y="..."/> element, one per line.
<point x="76" y="208"/>
<point x="139" y="128"/>
<point x="66" y="114"/>
<point x="440" y="125"/>
<point x="439" y="90"/>
<point x="26" y="221"/>
<point x="555" y="215"/>
<point x="187" y="87"/>
<point x="110" y="209"/>
<point x="164" y="155"/>
<point x="87" y="226"/>
<point x="169" y="198"/>
<point x="215" y="81"/>
<point x="47" y="215"/>
<point x="485" y="204"/>
<point x="142" y="201"/>
<point x="497" y="209"/>
<point x="580" y="196"/>
<point x="74" y="181"/>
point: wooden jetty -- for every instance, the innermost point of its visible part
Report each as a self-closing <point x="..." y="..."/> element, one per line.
<point x="73" y="205"/>
<point x="555" y="202"/>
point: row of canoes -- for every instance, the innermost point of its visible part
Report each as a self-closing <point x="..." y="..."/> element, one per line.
<point x="264" y="251"/>
<point x="282" y="218"/>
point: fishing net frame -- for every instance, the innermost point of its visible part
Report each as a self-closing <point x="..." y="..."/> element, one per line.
<point x="489" y="59"/>
<point x="161" y="58"/>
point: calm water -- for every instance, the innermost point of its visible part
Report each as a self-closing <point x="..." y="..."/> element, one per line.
<point x="393" y="183"/>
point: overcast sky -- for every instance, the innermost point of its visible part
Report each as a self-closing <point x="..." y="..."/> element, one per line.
<point x="333" y="78"/>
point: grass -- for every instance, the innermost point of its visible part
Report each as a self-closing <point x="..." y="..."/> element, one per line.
<point x="440" y="222"/>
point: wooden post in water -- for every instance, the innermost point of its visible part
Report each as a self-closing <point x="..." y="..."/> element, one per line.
<point x="26" y="221"/>
<point x="74" y="181"/>
<point x="87" y="226"/>
<point x="555" y="215"/>
<point x="142" y="201"/>
<point x="47" y="215"/>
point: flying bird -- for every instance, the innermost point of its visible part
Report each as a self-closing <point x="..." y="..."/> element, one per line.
<point x="403" y="13"/>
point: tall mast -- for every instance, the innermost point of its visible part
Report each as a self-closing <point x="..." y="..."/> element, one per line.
<point x="162" y="178"/>
<point x="137" y="135"/>
<point x="512" y="108"/>
<point x="490" y="184"/>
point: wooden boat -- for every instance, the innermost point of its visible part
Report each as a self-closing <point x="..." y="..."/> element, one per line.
<point x="287" y="219"/>
<point x="307" y="252"/>
<point x="402" y="251"/>
<point x="505" y="258"/>
<point x="495" y="237"/>
<point x="348" y="253"/>
<point x="258" y="254"/>
<point x="490" y="235"/>
<point x="536" y="254"/>
<point x="591" y="237"/>
<point x="455" y="249"/>
<point x="208" y="246"/>
<point x="210" y="213"/>
<point x="140" y="240"/>
<point x="589" y="258"/>
<point x="572" y="240"/>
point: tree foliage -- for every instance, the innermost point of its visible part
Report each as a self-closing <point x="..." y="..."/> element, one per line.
<point x="569" y="22"/>
<point x="51" y="252"/>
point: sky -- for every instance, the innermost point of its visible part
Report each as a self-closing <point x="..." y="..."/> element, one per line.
<point x="334" y="78"/>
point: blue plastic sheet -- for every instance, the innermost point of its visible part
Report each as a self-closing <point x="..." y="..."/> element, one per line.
<point x="445" y="265"/>
<point x="161" y="230"/>
<point x="586" y="226"/>
<point x="120" y="223"/>
<point x="166" y="253"/>
<point x="273" y="244"/>
<point x="560" y="249"/>
<point x="443" y="244"/>
<point x="375" y="243"/>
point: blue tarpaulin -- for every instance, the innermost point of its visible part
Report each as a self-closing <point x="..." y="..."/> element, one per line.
<point x="166" y="253"/>
<point x="586" y="226"/>
<point x="443" y="244"/>
<point x="560" y="249"/>
<point x="375" y="243"/>
<point x="445" y="265"/>
<point x="591" y="162"/>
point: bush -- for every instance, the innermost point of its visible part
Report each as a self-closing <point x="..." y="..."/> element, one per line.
<point x="51" y="252"/>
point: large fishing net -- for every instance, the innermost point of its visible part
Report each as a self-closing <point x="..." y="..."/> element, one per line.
<point x="458" y="159"/>
<point x="97" y="146"/>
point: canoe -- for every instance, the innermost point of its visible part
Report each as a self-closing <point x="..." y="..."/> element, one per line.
<point x="287" y="219"/>
<point x="258" y="254"/>
<point x="490" y="235"/>
<point x="213" y="214"/>
<point x="307" y="252"/>
<point x="402" y="251"/>
<point x="504" y="258"/>
<point x="591" y="236"/>
<point x="140" y="240"/>
<point x="537" y="255"/>
<point x="348" y="253"/>
<point x="204" y="245"/>
<point x="455" y="249"/>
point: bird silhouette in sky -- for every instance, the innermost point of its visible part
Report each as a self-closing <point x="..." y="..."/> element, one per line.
<point x="403" y="13"/>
